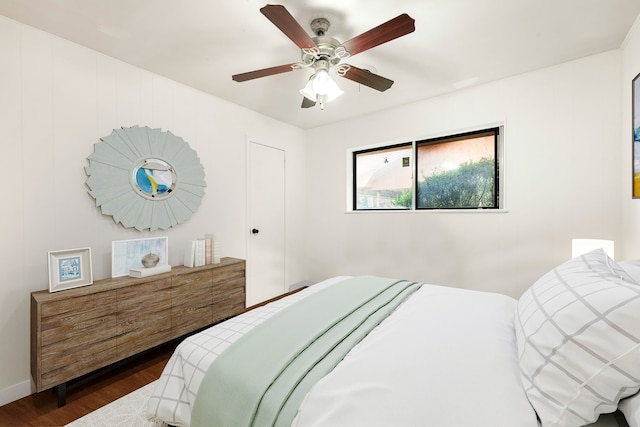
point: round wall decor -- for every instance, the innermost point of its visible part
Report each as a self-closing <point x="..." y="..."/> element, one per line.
<point x="145" y="178"/>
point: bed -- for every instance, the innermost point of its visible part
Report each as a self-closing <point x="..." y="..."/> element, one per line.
<point x="563" y="354"/>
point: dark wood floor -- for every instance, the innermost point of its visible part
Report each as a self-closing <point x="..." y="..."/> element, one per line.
<point x="41" y="409"/>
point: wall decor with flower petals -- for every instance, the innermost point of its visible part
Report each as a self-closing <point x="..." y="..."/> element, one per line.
<point x="145" y="178"/>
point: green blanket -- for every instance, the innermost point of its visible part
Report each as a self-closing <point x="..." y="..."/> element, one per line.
<point x="263" y="377"/>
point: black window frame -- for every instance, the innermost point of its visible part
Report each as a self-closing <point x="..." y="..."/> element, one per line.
<point x="354" y="202"/>
<point x="452" y="138"/>
<point x="496" y="130"/>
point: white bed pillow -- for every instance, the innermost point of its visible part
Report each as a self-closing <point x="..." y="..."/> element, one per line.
<point x="578" y="333"/>
<point x="630" y="406"/>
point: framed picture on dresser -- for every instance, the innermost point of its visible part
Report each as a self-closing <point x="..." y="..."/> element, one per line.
<point x="69" y="268"/>
<point x="128" y="254"/>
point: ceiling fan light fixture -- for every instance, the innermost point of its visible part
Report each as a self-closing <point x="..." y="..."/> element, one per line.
<point x="308" y="91"/>
<point x="321" y="88"/>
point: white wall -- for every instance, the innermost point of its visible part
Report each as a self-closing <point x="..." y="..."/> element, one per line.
<point x="630" y="207"/>
<point x="57" y="99"/>
<point x="562" y="133"/>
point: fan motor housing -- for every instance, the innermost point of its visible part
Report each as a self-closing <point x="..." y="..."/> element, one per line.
<point x="327" y="50"/>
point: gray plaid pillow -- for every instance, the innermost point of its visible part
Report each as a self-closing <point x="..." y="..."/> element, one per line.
<point x="578" y="332"/>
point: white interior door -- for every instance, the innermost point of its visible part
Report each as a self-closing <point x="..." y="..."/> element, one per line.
<point x="266" y="215"/>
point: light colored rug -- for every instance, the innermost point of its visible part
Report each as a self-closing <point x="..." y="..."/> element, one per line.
<point x="128" y="411"/>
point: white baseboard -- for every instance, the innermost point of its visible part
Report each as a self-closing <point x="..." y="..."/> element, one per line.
<point x="15" y="392"/>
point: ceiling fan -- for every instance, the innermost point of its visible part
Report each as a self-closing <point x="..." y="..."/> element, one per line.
<point x="322" y="54"/>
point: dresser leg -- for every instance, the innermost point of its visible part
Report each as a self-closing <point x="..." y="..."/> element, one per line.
<point x="61" y="392"/>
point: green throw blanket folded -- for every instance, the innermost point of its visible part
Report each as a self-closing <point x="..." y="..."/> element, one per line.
<point x="262" y="378"/>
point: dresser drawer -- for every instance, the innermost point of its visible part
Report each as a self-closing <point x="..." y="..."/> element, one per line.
<point x="143" y="317"/>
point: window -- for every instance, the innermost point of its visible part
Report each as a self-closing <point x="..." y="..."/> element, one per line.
<point x="383" y="178"/>
<point x="453" y="172"/>
<point x="457" y="172"/>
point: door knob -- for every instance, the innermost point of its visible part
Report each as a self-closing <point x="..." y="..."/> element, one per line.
<point x="254" y="231"/>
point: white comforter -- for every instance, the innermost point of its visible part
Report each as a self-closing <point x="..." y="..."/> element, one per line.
<point x="446" y="357"/>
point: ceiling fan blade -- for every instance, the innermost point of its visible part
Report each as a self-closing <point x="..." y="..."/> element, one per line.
<point x="368" y="78"/>
<point x="307" y="103"/>
<point x="397" y="27"/>
<point x="281" y="18"/>
<point x="243" y="77"/>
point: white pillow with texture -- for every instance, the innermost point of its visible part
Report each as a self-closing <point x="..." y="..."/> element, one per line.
<point x="630" y="406"/>
<point x="578" y="333"/>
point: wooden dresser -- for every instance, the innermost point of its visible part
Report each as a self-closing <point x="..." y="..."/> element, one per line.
<point x="77" y="331"/>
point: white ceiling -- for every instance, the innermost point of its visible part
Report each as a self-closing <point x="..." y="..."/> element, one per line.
<point x="202" y="43"/>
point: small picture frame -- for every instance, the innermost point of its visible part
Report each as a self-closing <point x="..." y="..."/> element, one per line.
<point x="70" y="268"/>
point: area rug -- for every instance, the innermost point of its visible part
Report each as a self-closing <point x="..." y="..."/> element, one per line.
<point x="128" y="411"/>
